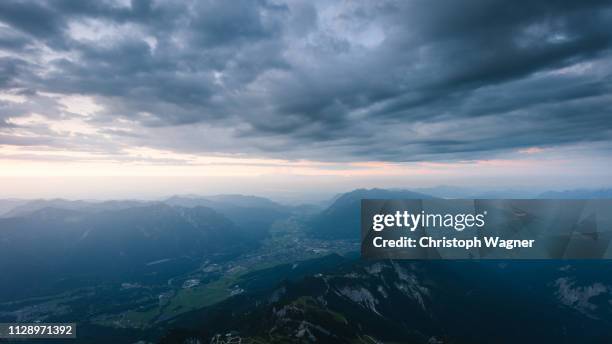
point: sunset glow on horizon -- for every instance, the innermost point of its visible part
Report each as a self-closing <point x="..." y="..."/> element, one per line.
<point x="362" y="93"/>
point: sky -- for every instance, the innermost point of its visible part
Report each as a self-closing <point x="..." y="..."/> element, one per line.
<point x="149" y="98"/>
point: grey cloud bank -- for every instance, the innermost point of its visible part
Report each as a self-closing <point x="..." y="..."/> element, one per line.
<point x="348" y="81"/>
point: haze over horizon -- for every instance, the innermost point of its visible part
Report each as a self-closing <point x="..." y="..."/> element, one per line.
<point x="302" y="99"/>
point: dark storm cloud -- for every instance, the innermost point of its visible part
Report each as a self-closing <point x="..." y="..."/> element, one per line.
<point x="391" y="80"/>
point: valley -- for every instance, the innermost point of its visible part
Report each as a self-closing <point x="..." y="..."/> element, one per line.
<point x="216" y="281"/>
<point x="164" y="288"/>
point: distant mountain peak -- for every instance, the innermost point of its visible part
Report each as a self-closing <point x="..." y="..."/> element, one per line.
<point x="341" y="219"/>
<point x="578" y="194"/>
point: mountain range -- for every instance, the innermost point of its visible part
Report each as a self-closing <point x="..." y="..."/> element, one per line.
<point x="419" y="302"/>
<point x="52" y="248"/>
<point x="186" y="268"/>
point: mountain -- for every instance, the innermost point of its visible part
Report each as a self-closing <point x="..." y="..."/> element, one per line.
<point x="9" y="204"/>
<point x="447" y="191"/>
<point x="577" y="194"/>
<point x="51" y="249"/>
<point x="341" y="220"/>
<point x="420" y="302"/>
<point x="235" y="200"/>
<point x="253" y="213"/>
<point x="29" y="207"/>
<point x="245" y="201"/>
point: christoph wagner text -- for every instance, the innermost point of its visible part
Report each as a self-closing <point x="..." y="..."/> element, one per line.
<point x="429" y="242"/>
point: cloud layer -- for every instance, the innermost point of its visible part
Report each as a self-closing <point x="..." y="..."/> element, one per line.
<point x="392" y="81"/>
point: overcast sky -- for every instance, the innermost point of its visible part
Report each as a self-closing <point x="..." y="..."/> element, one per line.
<point x="340" y="93"/>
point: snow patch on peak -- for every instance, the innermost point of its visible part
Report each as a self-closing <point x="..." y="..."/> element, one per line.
<point x="375" y="268"/>
<point x="578" y="297"/>
<point x="361" y="296"/>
